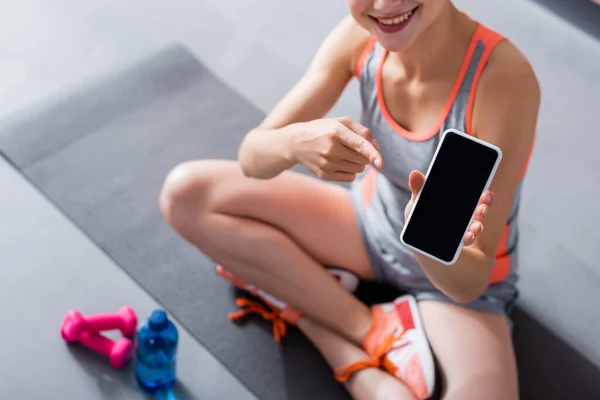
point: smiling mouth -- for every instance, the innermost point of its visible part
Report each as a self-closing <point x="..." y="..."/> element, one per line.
<point x="396" y="19"/>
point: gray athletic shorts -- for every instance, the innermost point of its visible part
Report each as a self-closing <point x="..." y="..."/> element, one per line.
<point x="393" y="263"/>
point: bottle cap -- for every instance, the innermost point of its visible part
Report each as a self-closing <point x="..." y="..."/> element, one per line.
<point x="158" y="320"/>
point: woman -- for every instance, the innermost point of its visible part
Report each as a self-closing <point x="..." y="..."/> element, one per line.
<point x="423" y="67"/>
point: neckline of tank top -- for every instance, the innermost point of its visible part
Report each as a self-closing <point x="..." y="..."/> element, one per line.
<point x="426" y="135"/>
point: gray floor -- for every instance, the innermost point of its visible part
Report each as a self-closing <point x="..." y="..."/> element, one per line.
<point x="261" y="48"/>
<point x="63" y="269"/>
<point x="45" y="46"/>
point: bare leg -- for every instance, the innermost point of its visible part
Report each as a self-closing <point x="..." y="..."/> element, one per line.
<point x="276" y="234"/>
<point x="474" y="350"/>
<point x="368" y="384"/>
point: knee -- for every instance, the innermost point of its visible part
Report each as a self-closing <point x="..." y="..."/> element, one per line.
<point x="184" y="191"/>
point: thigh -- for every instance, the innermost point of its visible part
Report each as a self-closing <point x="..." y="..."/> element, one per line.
<point x="474" y="350"/>
<point x="317" y="215"/>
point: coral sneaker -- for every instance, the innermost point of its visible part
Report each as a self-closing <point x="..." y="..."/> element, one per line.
<point x="397" y="343"/>
<point x="275" y="310"/>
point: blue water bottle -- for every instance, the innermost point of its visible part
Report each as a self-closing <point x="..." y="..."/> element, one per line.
<point x="156" y="353"/>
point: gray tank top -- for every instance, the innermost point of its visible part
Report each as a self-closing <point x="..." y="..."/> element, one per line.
<point x="385" y="193"/>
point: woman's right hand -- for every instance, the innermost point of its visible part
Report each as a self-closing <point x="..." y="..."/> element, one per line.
<point x="335" y="149"/>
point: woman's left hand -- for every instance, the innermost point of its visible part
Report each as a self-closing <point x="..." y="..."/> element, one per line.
<point x="415" y="182"/>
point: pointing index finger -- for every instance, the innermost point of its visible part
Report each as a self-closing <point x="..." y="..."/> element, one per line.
<point x="359" y="130"/>
<point x="360" y="145"/>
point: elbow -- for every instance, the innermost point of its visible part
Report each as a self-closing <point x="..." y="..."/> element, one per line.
<point x="249" y="169"/>
<point x="472" y="289"/>
<point x="245" y="167"/>
<point x="467" y="296"/>
<point x="245" y="159"/>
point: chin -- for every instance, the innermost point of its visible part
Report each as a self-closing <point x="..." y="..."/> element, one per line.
<point x="395" y="45"/>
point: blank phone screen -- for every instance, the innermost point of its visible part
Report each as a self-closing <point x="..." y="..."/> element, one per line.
<point x="450" y="196"/>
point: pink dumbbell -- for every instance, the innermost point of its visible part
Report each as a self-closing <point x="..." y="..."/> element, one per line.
<point x="118" y="352"/>
<point x="74" y="323"/>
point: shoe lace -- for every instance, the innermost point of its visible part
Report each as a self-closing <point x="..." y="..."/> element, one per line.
<point x="377" y="359"/>
<point x="268" y="313"/>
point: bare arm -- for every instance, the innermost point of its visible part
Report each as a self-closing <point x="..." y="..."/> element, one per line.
<point x="267" y="150"/>
<point x="505" y="114"/>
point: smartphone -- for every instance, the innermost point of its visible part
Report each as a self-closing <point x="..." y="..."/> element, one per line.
<point x="461" y="170"/>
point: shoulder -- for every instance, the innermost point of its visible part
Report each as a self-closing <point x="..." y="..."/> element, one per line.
<point x="344" y="45"/>
<point x="508" y="71"/>
<point x="508" y="94"/>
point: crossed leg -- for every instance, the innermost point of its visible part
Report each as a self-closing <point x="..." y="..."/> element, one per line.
<point x="277" y="234"/>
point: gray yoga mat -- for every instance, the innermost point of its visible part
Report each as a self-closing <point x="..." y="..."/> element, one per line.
<point x="101" y="154"/>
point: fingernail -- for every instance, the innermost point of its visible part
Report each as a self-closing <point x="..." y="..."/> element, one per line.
<point x="484" y="210"/>
<point x="488" y="198"/>
<point x="377" y="163"/>
<point x="477" y="226"/>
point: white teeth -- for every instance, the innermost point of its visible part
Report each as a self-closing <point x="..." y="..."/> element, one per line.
<point x="396" y="20"/>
